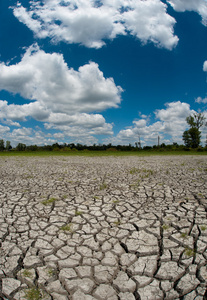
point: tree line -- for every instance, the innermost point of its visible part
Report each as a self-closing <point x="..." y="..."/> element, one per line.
<point x="191" y="138"/>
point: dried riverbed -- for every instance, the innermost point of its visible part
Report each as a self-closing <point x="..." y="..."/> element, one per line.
<point x="105" y="228"/>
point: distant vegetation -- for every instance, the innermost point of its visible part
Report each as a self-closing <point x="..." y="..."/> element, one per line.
<point x="78" y="148"/>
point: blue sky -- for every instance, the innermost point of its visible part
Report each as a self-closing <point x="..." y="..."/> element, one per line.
<point x="86" y="71"/>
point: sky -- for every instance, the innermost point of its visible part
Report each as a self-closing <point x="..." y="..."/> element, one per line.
<point x="100" y="72"/>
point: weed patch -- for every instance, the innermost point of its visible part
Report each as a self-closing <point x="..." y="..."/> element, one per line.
<point x="33" y="294"/>
<point x="183" y="235"/>
<point x="27" y="273"/>
<point x="117" y="223"/>
<point x="165" y="227"/>
<point x="49" y="201"/>
<point x="67" y="227"/>
<point x="115" y="201"/>
<point x="52" y="272"/>
<point x="103" y="186"/>
<point x="203" y="227"/>
<point x="78" y="213"/>
<point x="135" y="185"/>
<point x="189" y="252"/>
<point x="134" y="171"/>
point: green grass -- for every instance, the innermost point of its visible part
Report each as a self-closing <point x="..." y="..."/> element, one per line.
<point x="201" y="195"/>
<point x="117" y="223"/>
<point x="67" y="227"/>
<point x="101" y="153"/>
<point x="165" y="227"/>
<point x="78" y="213"/>
<point x="115" y="201"/>
<point x="190" y="252"/>
<point x="33" y="294"/>
<point x="183" y="235"/>
<point x="52" y="272"/>
<point x="147" y="173"/>
<point x="203" y="227"/>
<point x="134" y="171"/>
<point x="27" y="273"/>
<point x="49" y="201"/>
<point x="103" y="186"/>
<point x="135" y="185"/>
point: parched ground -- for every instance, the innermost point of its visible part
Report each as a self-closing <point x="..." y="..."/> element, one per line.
<point x="105" y="228"/>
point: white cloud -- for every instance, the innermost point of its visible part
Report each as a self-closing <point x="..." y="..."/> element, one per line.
<point x="205" y="66"/>
<point x="79" y="21"/>
<point x="170" y="125"/>
<point x="83" y="128"/>
<point x="4" y="129"/>
<point x="174" y="118"/>
<point x="79" y="126"/>
<point x="25" y="135"/>
<point x="14" y="112"/>
<point x="90" y="24"/>
<point x="47" y="79"/>
<point x="62" y="98"/>
<point x="140" y="123"/>
<point x="199" y="6"/>
<point x="148" y="21"/>
<point x="22" y="132"/>
<point x="176" y="111"/>
<point x="201" y="100"/>
<point x="86" y="120"/>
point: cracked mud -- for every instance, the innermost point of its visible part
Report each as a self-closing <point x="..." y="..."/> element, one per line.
<point x="104" y="228"/>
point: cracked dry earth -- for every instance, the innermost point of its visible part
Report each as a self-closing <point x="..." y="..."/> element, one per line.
<point x="104" y="228"/>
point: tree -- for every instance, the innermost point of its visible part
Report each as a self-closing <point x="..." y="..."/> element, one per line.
<point x="187" y="138"/>
<point x="8" y="145"/>
<point x="21" y="147"/>
<point x="192" y="136"/>
<point x="197" y="120"/>
<point x="2" y="145"/>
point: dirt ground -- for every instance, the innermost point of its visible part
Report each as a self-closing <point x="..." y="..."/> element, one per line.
<point x="106" y="228"/>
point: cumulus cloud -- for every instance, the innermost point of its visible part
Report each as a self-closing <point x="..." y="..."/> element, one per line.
<point x="47" y="79"/>
<point x="169" y="125"/>
<point x="22" y="131"/>
<point x="14" y="112"/>
<point x="175" y="111"/>
<point x="148" y="21"/>
<point x="140" y="123"/>
<point x="80" y="125"/>
<point x="91" y="22"/>
<point x="4" y="129"/>
<point x="199" y="6"/>
<point x="58" y="95"/>
<point x="29" y="136"/>
<point x="87" y="120"/>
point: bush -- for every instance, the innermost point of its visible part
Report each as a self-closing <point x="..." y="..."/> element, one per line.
<point x="200" y="149"/>
<point x="74" y="149"/>
<point x="66" y="149"/>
